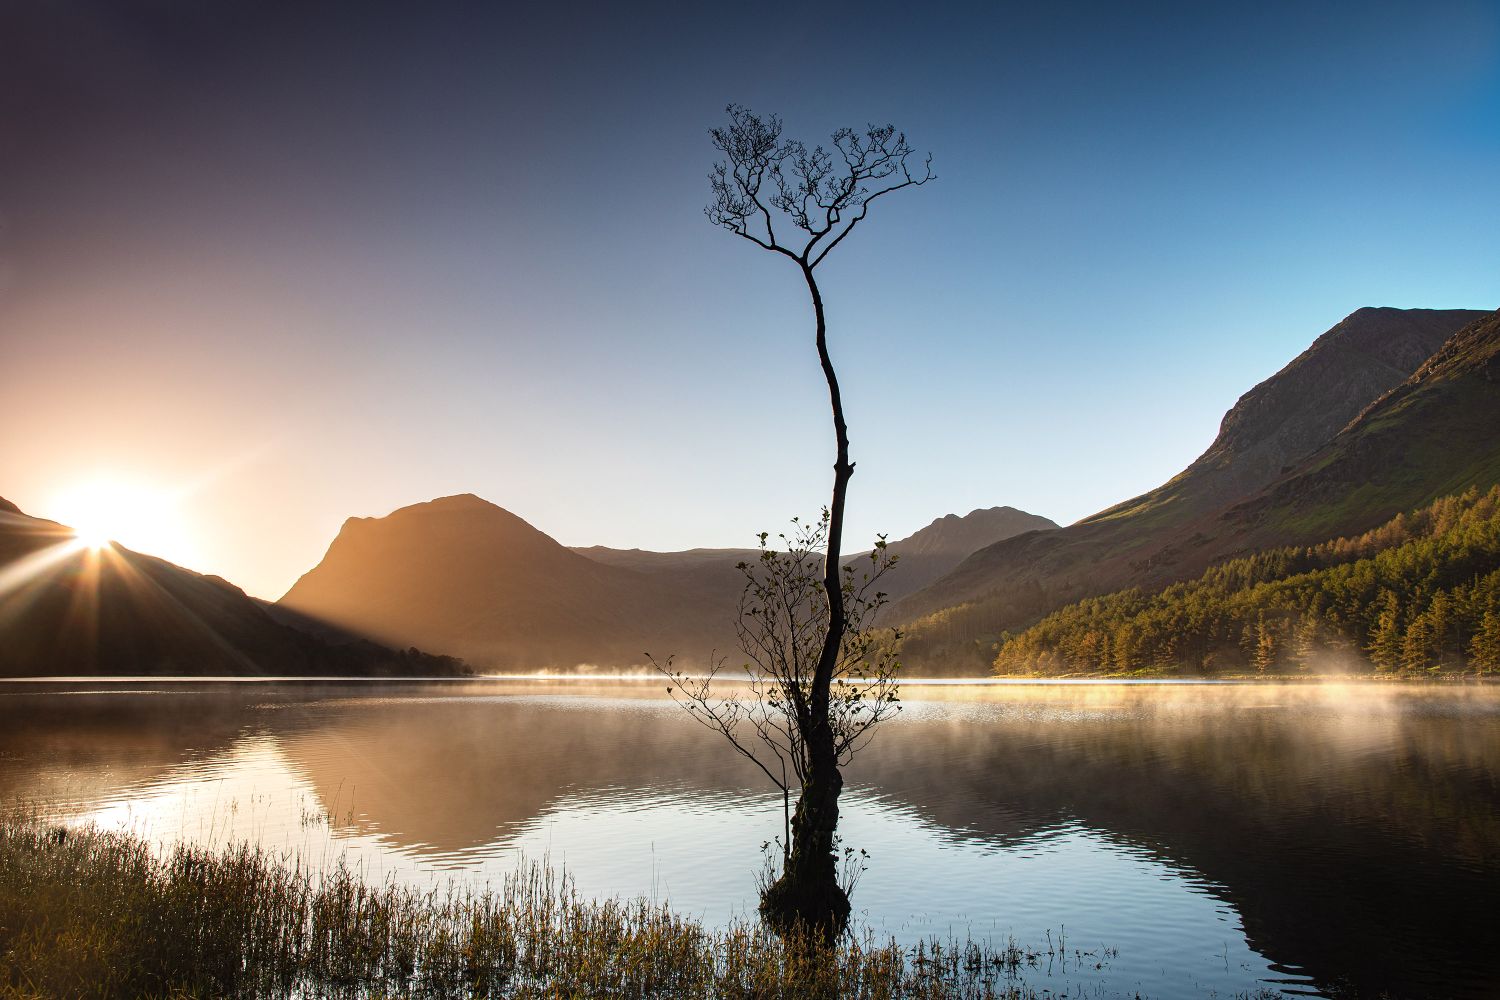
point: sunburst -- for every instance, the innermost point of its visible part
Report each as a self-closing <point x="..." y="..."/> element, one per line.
<point x="139" y="517"/>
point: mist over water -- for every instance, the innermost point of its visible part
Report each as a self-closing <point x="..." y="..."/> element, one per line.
<point x="1219" y="837"/>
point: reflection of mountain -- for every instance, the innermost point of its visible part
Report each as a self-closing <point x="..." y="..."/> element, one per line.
<point x="1302" y="817"/>
<point x="1326" y="831"/>
<point x="66" y="609"/>
<point x="83" y="746"/>
<point x="454" y="775"/>
<point x="1329" y="820"/>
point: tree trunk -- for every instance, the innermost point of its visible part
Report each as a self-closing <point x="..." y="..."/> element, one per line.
<point x="808" y="892"/>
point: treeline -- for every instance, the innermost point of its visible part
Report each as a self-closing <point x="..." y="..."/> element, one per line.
<point x="1419" y="593"/>
<point x="961" y="640"/>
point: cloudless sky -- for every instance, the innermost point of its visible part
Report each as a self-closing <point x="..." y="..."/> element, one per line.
<point x="305" y="261"/>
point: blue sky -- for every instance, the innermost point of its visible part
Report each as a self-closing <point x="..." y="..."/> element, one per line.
<point x="314" y="262"/>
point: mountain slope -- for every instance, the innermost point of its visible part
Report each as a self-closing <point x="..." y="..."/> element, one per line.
<point x="1179" y="529"/>
<point x="1419" y="592"/>
<point x="933" y="551"/>
<point x="68" y="610"/>
<point x="1301" y="407"/>
<point x="1436" y="433"/>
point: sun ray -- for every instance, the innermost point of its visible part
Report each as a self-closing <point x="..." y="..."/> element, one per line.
<point x="35" y="566"/>
<point x="147" y="591"/>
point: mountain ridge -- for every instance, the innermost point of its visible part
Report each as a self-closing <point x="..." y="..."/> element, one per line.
<point x="1181" y="527"/>
<point x="462" y="574"/>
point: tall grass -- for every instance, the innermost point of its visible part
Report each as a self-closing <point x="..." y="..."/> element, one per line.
<point x="91" y="913"/>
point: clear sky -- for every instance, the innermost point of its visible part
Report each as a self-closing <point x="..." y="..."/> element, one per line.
<point x="297" y="262"/>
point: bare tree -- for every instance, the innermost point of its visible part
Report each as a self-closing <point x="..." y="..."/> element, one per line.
<point x="782" y="627"/>
<point x="801" y="204"/>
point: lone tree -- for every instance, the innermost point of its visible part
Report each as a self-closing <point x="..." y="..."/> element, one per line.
<point x="816" y="687"/>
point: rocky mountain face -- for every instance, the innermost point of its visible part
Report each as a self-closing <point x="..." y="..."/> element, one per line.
<point x="1281" y="471"/>
<point x="69" y="610"/>
<point x="465" y="576"/>
<point x="1436" y="433"/>
<point x="1289" y="415"/>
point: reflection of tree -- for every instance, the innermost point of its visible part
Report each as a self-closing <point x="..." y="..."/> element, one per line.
<point x="1327" y="826"/>
<point x="1327" y="831"/>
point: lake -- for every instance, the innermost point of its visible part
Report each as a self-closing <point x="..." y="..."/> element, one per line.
<point x="1181" y="839"/>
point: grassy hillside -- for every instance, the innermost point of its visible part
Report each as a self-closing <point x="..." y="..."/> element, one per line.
<point x="1434" y="434"/>
<point x="1420" y="592"/>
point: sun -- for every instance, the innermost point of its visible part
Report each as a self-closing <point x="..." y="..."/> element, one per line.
<point x="128" y="513"/>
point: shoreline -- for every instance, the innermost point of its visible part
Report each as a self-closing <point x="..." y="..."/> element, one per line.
<point x="1007" y="680"/>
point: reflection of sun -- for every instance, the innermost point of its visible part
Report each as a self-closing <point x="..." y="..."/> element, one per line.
<point x="139" y="518"/>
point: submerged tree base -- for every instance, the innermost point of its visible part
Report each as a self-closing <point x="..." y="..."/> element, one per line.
<point x="795" y="908"/>
<point x="90" y="913"/>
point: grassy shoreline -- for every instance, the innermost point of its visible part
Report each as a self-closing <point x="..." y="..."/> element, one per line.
<point x="92" y="913"/>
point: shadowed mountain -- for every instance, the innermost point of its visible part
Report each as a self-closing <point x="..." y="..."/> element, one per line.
<point x="935" y="550"/>
<point x="925" y="554"/>
<point x="66" y="609"/>
<point x="465" y="576"/>
<point x="1277" y="435"/>
<point x="646" y="561"/>
<point x="712" y="575"/>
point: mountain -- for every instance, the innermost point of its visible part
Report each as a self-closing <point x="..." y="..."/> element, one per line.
<point x="647" y="561"/>
<point x="69" y="610"/>
<point x="1420" y="592"/>
<point x="932" y="552"/>
<point x="1297" y="410"/>
<point x="467" y="577"/>
<point x="926" y="554"/>
<point x="1436" y="433"/>
<point x="1269" y="464"/>
<point x="711" y="575"/>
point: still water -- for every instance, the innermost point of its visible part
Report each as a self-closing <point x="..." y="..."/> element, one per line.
<point x="1185" y="840"/>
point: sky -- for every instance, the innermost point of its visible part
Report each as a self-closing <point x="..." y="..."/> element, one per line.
<point x="283" y="264"/>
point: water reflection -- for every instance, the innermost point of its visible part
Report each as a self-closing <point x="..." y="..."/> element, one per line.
<point x="1217" y="836"/>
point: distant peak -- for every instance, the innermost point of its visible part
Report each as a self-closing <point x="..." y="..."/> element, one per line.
<point x="458" y="502"/>
<point x="460" y="505"/>
<point x="461" y="500"/>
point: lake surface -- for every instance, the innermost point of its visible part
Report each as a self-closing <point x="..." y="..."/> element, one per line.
<point x="1184" y="839"/>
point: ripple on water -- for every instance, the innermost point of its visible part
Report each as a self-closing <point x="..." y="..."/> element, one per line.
<point x="1161" y="821"/>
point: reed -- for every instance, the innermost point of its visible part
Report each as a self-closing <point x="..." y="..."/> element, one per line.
<point x="86" y="912"/>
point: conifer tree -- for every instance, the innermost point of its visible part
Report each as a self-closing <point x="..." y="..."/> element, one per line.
<point x="1484" y="648"/>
